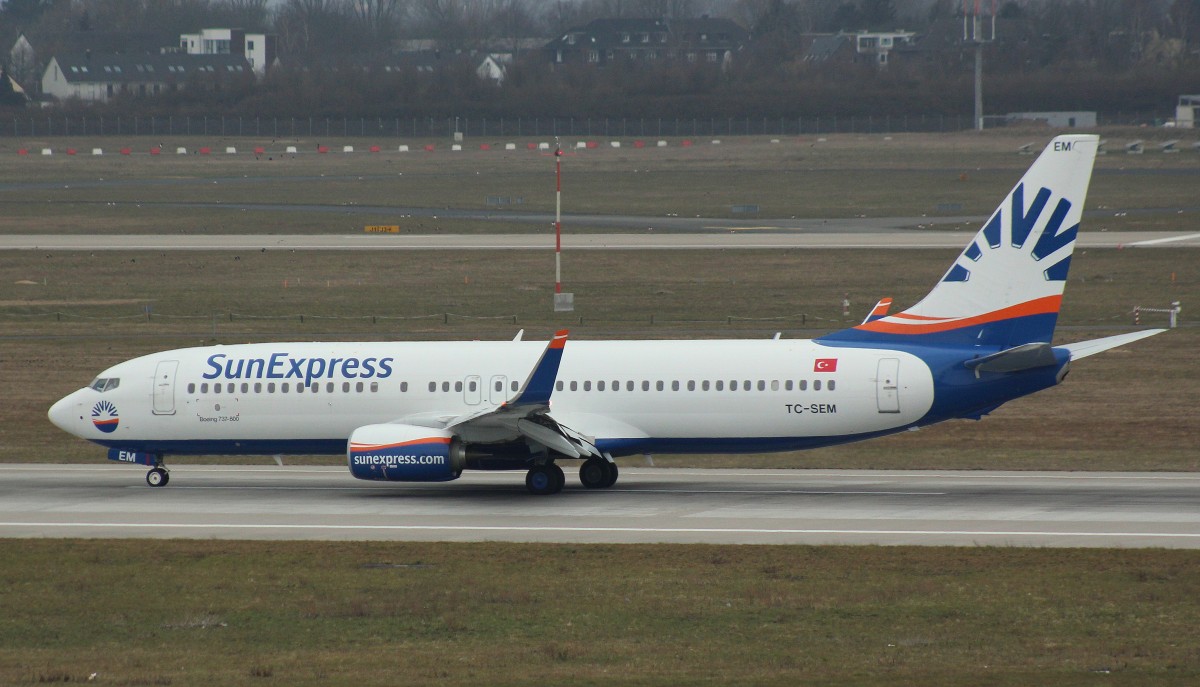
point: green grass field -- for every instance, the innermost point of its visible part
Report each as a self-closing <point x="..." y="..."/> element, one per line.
<point x="242" y="613"/>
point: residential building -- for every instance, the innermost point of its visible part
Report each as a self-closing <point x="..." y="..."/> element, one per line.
<point x="257" y="48"/>
<point x="604" y="41"/>
<point x="101" y="76"/>
<point x="877" y="46"/>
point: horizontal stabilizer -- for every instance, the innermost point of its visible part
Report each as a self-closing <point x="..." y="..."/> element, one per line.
<point x="1083" y="349"/>
<point x="1024" y="357"/>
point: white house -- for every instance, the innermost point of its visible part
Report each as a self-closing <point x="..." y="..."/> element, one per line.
<point x="101" y="76"/>
<point x="494" y="67"/>
<point x="878" y="45"/>
<point x="257" y="48"/>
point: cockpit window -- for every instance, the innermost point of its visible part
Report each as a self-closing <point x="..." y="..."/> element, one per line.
<point x="103" y="384"/>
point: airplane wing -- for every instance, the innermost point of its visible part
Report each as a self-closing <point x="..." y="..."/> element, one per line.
<point x="527" y="414"/>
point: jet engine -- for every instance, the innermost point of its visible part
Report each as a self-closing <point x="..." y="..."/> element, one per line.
<point x="405" y="453"/>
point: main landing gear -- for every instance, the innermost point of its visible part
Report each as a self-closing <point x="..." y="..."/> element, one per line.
<point x="544" y="479"/>
<point x="597" y="473"/>
<point x="548" y="478"/>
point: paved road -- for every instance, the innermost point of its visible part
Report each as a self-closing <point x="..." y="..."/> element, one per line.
<point x="740" y="239"/>
<point x="1053" y="509"/>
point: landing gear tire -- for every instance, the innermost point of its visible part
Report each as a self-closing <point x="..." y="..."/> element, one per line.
<point x="612" y="474"/>
<point x="543" y="480"/>
<point x="596" y="473"/>
<point x="158" y="477"/>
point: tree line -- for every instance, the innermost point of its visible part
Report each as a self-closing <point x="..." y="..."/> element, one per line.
<point x="1106" y="55"/>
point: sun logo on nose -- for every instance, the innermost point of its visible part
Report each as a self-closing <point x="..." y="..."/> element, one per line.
<point x="104" y="417"/>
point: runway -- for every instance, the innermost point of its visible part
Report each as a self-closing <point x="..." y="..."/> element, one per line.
<point x="648" y="505"/>
<point x="745" y="238"/>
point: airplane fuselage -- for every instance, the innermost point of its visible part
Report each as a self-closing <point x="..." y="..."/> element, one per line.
<point x="634" y="396"/>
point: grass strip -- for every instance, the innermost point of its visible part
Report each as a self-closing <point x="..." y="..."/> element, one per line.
<point x="242" y="613"/>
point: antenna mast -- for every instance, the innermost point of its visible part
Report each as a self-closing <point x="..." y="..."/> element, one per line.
<point x="975" y="32"/>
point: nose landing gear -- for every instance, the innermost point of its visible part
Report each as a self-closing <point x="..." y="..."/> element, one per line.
<point x="158" y="477"/>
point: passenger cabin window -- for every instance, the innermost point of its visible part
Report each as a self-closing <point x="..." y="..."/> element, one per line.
<point x="816" y="385"/>
<point x="558" y="386"/>
<point x="191" y="387"/>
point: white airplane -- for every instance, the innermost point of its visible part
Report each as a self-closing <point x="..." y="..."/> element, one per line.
<point x="428" y="411"/>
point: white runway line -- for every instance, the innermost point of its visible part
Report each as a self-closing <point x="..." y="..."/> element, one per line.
<point x="1168" y="239"/>
<point x="600" y="530"/>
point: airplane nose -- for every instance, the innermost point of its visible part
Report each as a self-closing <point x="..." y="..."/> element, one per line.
<point x="65" y="414"/>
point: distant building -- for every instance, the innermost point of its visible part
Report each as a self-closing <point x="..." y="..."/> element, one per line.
<point x="494" y="67"/>
<point x="826" y="47"/>
<point x="877" y="46"/>
<point x="1058" y="120"/>
<point x="1187" y="112"/>
<point x="602" y="41"/>
<point x="28" y="55"/>
<point x="99" y="77"/>
<point x="22" y="61"/>
<point x="257" y="48"/>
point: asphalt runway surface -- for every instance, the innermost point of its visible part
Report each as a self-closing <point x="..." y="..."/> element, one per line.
<point x="648" y="505"/>
<point x="727" y="240"/>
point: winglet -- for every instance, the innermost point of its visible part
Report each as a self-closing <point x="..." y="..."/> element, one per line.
<point x="540" y="383"/>
<point x="879" y="311"/>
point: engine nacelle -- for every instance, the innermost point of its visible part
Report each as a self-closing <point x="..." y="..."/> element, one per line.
<point x="405" y="453"/>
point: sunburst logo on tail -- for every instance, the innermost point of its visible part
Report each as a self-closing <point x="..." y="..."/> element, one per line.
<point x="104" y="417"/>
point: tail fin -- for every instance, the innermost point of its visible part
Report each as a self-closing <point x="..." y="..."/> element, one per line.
<point x="1006" y="287"/>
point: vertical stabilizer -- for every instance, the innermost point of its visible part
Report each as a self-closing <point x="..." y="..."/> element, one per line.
<point x="1006" y="287"/>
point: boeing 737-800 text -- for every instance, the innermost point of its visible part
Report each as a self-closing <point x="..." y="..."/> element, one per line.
<point x="428" y="411"/>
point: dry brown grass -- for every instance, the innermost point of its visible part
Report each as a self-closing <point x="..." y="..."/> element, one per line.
<point x="842" y="176"/>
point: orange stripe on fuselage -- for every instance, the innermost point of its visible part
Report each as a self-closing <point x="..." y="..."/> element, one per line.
<point x="1039" y="306"/>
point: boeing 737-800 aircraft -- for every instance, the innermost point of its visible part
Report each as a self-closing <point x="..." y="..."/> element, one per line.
<point x="428" y="411"/>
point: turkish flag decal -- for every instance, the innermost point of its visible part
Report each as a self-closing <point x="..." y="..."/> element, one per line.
<point x="825" y="365"/>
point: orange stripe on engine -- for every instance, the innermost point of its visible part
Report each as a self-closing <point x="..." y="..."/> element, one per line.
<point x="376" y="447"/>
<point x="1039" y="306"/>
